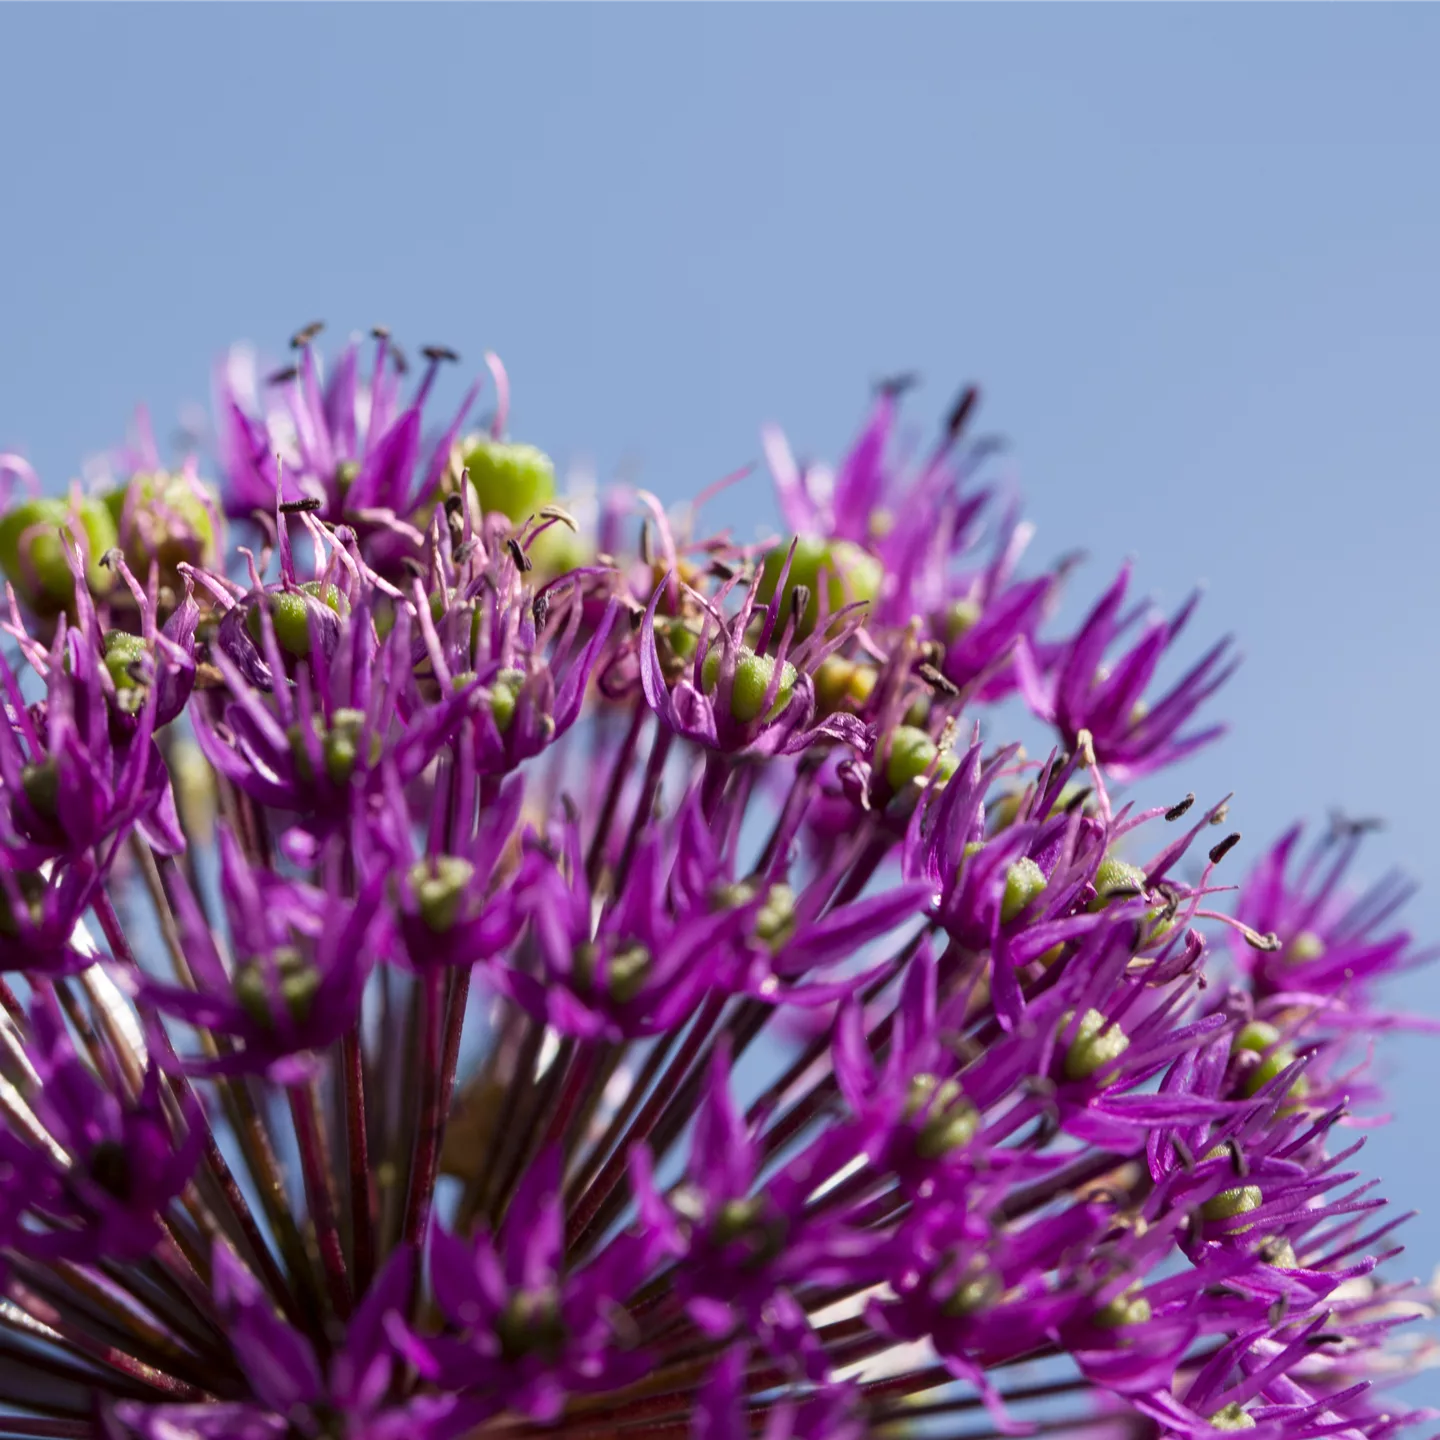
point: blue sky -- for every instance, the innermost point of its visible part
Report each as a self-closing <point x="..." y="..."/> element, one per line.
<point x="1192" y="255"/>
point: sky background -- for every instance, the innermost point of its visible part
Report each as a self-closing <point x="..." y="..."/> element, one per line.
<point x="1192" y="256"/>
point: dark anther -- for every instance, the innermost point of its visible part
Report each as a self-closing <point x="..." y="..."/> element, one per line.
<point x="1183" y="1153"/>
<point x="1343" y="826"/>
<point x="896" y="385"/>
<point x="308" y="506"/>
<point x="305" y="334"/>
<point x="397" y="357"/>
<point x="281" y="377"/>
<point x="721" y="571"/>
<point x="541" y="609"/>
<point x="961" y="411"/>
<point x="1176" y="811"/>
<point x="111" y="556"/>
<point x="1237" y="1158"/>
<point x="646" y="557"/>
<point x="1325" y="1337"/>
<point x="1077" y="800"/>
<point x="413" y="565"/>
<point x="637" y="618"/>
<point x="1220" y="851"/>
<point x="464" y="550"/>
<point x="938" y="682"/>
<point x="438" y="353"/>
<point x="518" y="555"/>
<point x="380" y="332"/>
<point x="1270" y="1252"/>
<point x="799" y="601"/>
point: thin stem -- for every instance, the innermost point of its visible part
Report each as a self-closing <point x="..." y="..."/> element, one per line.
<point x="430" y="1121"/>
<point x="357" y="1147"/>
<point x="315" y="1165"/>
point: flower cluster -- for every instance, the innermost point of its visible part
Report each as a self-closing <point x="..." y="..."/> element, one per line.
<point x="466" y="971"/>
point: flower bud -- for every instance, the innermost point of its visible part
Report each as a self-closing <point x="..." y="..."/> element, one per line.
<point x="511" y="480"/>
<point x="32" y="553"/>
<point x="852" y="574"/>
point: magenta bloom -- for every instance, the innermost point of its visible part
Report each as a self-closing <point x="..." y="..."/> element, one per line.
<point x="473" y="965"/>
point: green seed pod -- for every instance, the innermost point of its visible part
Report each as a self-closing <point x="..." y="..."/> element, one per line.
<point x="299" y="982"/>
<point x="440" y="885"/>
<point x="852" y="574"/>
<point x="1116" y="880"/>
<point x="950" y="1119"/>
<point x="504" y="693"/>
<point x="753" y="674"/>
<point x="1024" y="880"/>
<point x="289" y="613"/>
<point x="32" y="554"/>
<point x="1095" y="1045"/>
<point x="1232" y="1417"/>
<point x="1230" y="1203"/>
<point x="1129" y="1308"/>
<point x="165" y="518"/>
<point x="511" y="480"/>
<point x="908" y="753"/>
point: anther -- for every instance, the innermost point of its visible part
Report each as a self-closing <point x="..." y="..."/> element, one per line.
<point x="1220" y="851"/>
<point x="438" y="353"/>
<point x="961" y="411"/>
<point x="799" y="601"/>
<point x="308" y="506"/>
<point x="281" y="377"/>
<point x="305" y="334"/>
<point x="1176" y="811"/>
<point x="938" y="682"/>
<point x="518" y="555"/>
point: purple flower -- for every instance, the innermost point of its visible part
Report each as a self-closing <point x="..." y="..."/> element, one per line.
<point x="530" y="1334"/>
<point x="347" y="442"/>
<point x="502" y="1020"/>
<point x="293" y="1393"/>
<point x="301" y="960"/>
<point x="129" y="1164"/>
<point x="1081" y="694"/>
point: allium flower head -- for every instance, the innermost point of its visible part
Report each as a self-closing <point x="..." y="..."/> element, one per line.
<point x="469" y="972"/>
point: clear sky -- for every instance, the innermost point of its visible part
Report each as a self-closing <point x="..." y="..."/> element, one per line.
<point x="1192" y="254"/>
